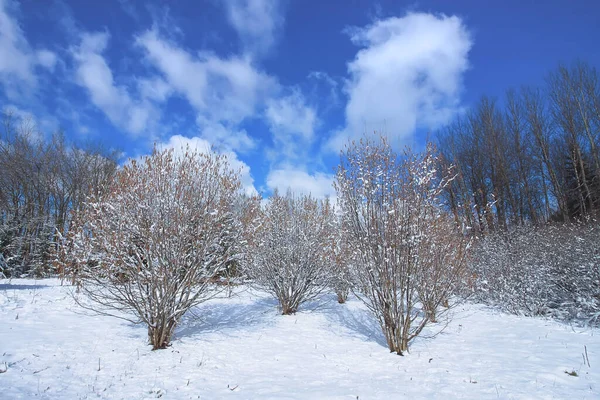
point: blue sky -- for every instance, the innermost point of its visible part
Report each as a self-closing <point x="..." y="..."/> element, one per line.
<point x="278" y="86"/>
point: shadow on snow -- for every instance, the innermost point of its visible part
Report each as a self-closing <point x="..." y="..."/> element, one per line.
<point x="361" y="323"/>
<point x="225" y="316"/>
<point x="228" y="317"/>
<point x="9" y="286"/>
<point x="221" y="316"/>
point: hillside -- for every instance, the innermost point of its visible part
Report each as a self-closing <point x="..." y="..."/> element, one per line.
<point x="240" y="348"/>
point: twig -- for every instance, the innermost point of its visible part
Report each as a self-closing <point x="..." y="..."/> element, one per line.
<point x="586" y="356"/>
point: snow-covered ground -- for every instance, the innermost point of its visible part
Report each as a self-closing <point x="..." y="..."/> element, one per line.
<point x="240" y="348"/>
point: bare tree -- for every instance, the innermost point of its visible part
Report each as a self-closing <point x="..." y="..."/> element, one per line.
<point x="407" y="255"/>
<point x="287" y="257"/>
<point x="41" y="182"/>
<point x="573" y="95"/>
<point x="539" y="128"/>
<point x="535" y="160"/>
<point x="148" y="248"/>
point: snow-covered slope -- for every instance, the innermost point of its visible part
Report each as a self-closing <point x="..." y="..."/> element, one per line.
<point x="240" y="348"/>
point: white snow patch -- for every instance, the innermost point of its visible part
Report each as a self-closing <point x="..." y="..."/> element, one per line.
<point x="241" y="348"/>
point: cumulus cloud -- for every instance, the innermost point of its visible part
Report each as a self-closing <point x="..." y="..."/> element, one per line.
<point x="179" y="143"/>
<point x="407" y="75"/>
<point x="319" y="185"/>
<point x="18" y="61"/>
<point x="93" y="73"/>
<point x="257" y="22"/>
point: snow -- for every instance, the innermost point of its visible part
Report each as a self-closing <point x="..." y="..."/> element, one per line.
<point x="241" y="348"/>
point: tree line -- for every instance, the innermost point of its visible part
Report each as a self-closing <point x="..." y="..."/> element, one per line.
<point x="527" y="186"/>
<point x="41" y="183"/>
<point x="529" y="159"/>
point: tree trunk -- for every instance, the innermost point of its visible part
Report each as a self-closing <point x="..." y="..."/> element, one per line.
<point x="342" y="295"/>
<point x="288" y="307"/>
<point x="160" y="334"/>
<point x="394" y="336"/>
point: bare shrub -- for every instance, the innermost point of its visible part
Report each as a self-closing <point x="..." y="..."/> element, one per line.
<point x="152" y="244"/>
<point x="552" y="270"/>
<point x="287" y="256"/>
<point x="41" y="182"/>
<point x="407" y="256"/>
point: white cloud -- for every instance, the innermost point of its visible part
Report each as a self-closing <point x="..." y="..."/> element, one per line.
<point x="224" y="137"/>
<point x="257" y="22"/>
<point x="292" y="123"/>
<point x="154" y="88"/>
<point x="220" y="89"/>
<point x="18" y="60"/>
<point x="290" y="116"/>
<point x="319" y="185"/>
<point x="93" y="73"/>
<point x="223" y="91"/>
<point x="15" y="57"/>
<point x="180" y="143"/>
<point x="46" y="58"/>
<point x="407" y="75"/>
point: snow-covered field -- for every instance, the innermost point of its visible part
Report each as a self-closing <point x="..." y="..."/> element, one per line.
<point x="240" y="348"/>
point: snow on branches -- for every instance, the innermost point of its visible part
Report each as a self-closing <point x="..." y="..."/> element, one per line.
<point x="553" y="270"/>
<point x="287" y="257"/>
<point x="406" y="254"/>
<point x="154" y="242"/>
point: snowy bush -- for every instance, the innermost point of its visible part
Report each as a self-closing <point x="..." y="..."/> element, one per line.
<point x="552" y="270"/>
<point x="287" y="256"/>
<point x="336" y="259"/>
<point x="406" y="257"/>
<point x="28" y="245"/>
<point x="152" y="245"/>
<point x="338" y="262"/>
